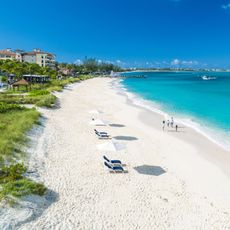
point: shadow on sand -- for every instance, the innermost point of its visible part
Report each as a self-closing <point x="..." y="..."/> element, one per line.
<point x="38" y="205"/>
<point x="150" y="170"/>
<point x="125" y="138"/>
<point x="174" y="131"/>
<point x="117" y="125"/>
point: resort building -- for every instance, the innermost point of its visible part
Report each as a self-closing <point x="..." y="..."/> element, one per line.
<point x="37" y="56"/>
<point x="8" y="54"/>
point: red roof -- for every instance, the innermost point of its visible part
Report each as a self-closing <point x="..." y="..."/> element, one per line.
<point x="36" y="52"/>
<point x="6" y="52"/>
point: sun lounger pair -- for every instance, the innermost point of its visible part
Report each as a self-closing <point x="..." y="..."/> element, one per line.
<point x="113" y="162"/>
<point x="102" y="135"/>
<point x="114" y="166"/>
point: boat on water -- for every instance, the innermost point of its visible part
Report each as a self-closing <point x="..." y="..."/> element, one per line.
<point x="207" y="78"/>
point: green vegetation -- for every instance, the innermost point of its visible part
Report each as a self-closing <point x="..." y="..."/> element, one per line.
<point x="16" y="121"/>
<point x="19" y="68"/>
<point x="89" y="66"/>
<point x="40" y="92"/>
<point x="6" y="107"/>
<point x="13" y="183"/>
<point x="46" y="101"/>
<point x="12" y="173"/>
<point x="3" y="78"/>
<point x="39" y="100"/>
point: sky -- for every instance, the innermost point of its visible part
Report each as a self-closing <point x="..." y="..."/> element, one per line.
<point x="130" y="33"/>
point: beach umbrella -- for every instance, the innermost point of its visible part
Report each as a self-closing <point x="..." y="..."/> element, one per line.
<point x="99" y="122"/>
<point x="95" y="111"/>
<point x="111" y="146"/>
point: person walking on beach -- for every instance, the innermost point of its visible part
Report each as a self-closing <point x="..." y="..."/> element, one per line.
<point x="172" y="121"/>
<point x="163" y="127"/>
<point x="168" y="122"/>
<point x="176" y="127"/>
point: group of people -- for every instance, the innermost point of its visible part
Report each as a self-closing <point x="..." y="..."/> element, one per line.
<point x="169" y="123"/>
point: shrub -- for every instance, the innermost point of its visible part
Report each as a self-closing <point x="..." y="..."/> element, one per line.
<point x="55" y="88"/>
<point x="46" y="101"/>
<point x="85" y="77"/>
<point x="40" y="100"/>
<point x="4" y="79"/>
<point x="12" y="172"/>
<point x="22" y="187"/>
<point x="39" y="92"/>
<point x="13" y="127"/>
<point x="4" y="107"/>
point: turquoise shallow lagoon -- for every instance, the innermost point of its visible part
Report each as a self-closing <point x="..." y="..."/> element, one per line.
<point x="200" y="99"/>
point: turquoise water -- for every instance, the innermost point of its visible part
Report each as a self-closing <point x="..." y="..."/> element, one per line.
<point x="186" y="95"/>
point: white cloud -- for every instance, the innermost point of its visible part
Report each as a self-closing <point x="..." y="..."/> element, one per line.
<point x="109" y="62"/>
<point x="175" y="62"/>
<point x="184" y="63"/>
<point x="190" y="63"/>
<point x="226" y="7"/>
<point x="78" y="62"/>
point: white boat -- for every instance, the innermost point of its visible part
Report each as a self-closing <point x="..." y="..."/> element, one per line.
<point x="207" y="78"/>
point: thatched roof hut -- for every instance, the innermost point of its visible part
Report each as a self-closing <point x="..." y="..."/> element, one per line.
<point x="21" y="82"/>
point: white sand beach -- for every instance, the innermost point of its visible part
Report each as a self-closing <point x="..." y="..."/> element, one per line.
<point x="175" y="180"/>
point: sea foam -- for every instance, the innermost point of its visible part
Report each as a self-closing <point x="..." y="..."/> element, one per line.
<point x="212" y="133"/>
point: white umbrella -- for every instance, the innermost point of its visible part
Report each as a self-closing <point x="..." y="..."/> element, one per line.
<point x="95" y="111"/>
<point x="99" y="122"/>
<point x="111" y="146"/>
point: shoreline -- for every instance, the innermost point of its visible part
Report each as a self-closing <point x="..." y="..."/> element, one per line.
<point x="221" y="154"/>
<point x="188" y="122"/>
<point x="170" y="184"/>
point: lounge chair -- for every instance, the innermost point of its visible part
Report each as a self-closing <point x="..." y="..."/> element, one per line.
<point x="114" y="168"/>
<point x="103" y="136"/>
<point x="112" y="162"/>
<point x="97" y="132"/>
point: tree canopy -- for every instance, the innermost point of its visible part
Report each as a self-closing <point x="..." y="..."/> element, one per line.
<point x="19" y="68"/>
<point x="90" y="65"/>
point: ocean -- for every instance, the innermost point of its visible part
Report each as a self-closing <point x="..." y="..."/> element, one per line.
<point x="200" y="100"/>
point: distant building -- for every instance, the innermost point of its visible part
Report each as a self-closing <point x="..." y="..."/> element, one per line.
<point x="37" y="56"/>
<point x="8" y="54"/>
